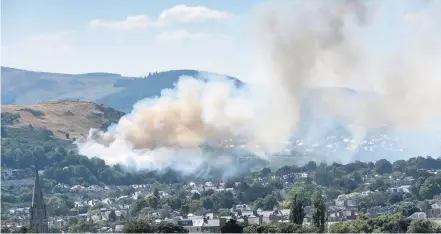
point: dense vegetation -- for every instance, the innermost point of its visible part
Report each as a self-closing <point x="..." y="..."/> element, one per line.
<point x="397" y="223"/>
<point x="140" y="226"/>
<point x="386" y="224"/>
<point x="147" y="87"/>
<point x="35" y="113"/>
<point x="261" y="189"/>
<point x="62" y="164"/>
<point x="9" y="118"/>
<point x="19" y="146"/>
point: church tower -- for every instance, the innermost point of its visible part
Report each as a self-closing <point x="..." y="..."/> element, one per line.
<point x="37" y="211"/>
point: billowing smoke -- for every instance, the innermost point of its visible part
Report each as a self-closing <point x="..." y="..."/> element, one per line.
<point x="306" y="49"/>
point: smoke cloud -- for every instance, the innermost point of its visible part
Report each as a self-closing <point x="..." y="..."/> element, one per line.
<point x="308" y="51"/>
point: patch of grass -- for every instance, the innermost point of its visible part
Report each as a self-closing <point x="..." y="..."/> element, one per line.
<point x="9" y="118"/>
<point x="35" y="113"/>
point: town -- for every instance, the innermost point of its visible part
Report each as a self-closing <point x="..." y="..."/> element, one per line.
<point x="351" y="191"/>
<point x="220" y="116"/>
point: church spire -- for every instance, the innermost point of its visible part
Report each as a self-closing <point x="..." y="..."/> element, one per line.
<point x="38" y="209"/>
<point x="38" y="193"/>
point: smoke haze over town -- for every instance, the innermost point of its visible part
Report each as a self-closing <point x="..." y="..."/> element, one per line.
<point x="376" y="102"/>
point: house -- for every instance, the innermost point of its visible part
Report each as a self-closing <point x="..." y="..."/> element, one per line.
<point x="241" y="207"/>
<point x="94" y="188"/>
<point x="437" y="197"/>
<point x="93" y="202"/>
<point x="210" y="188"/>
<point x="208" y="225"/>
<point x="351" y="203"/>
<point x="77" y="188"/>
<point x="388" y="210"/>
<point x="58" y="222"/>
<point x="198" y="224"/>
<point x="108" y="201"/>
<point x="340" y="203"/>
<point x="400" y="182"/>
<point x="400" y="189"/>
<point x="418" y="215"/>
<point x="434" y="211"/>
<point x="7" y="173"/>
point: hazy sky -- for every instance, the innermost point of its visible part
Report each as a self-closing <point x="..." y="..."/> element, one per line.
<point x="134" y="37"/>
<point x="131" y="37"/>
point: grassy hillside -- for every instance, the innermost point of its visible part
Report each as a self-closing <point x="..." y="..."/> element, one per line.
<point x="65" y="119"/>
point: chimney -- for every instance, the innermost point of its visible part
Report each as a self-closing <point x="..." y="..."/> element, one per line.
<point x="205" y="220"/>
<point x="255" y="213"/>
<point x="222" y="222"/>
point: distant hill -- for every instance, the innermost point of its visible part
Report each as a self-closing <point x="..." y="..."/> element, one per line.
<point x="65" y="119"/>
<point x="21" y="87"/>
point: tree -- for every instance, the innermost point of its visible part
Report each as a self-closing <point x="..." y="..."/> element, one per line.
<point x="258" y="203"/>
<point x="82" y="227"/>
<point x="185" y="209"/>
<point x="138" y="226"/>
<point x="269" y="202"/>
<point x="207" y="203"/>
<point x="156" y="193"/>
<point x="420" y="226"/>
<point x="232" y="227"/>
<point x="224" y="212"/>
<point x="169" y="228"/>
<point x="252" y="228"/>
<point x="112" y="216"/>
<point x="323" y="177"/>
<point x="310" y="166"/>
<point x="407" y="209"/>
<point x="399" y="165"/>
<point x="3" y="133"/>
<point x="27" y="230"/>
<point x="276" y="183"/>
<point x="57" y="206"/>
<point x="379" y="184"/>
<point x="72" y="221"/>
<point x="265" y="171"/>
<point x="137" y="206"/>
<point x="305" y="190"/>
<point x="54" y="230"/>
<point x="153" y="202"/>
<point x="174" y="202"/>
<point x="319" y="211"/>
<point x="429" y="188"/>
<point x="383" y="166"/>
<point x="195" y="196"/>
<point x="297" y="213"/>
<point x="223" y="200"/>
<point x="395" y="197"/>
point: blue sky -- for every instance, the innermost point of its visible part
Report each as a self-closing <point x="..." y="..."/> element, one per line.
<point x="93" y="36"/>
<point x="135" y="37"/>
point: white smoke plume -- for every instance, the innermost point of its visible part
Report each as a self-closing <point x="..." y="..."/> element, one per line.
<point x="302" y="45"/>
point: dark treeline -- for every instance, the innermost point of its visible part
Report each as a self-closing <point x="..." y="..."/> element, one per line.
<point x="63" y="164"/>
